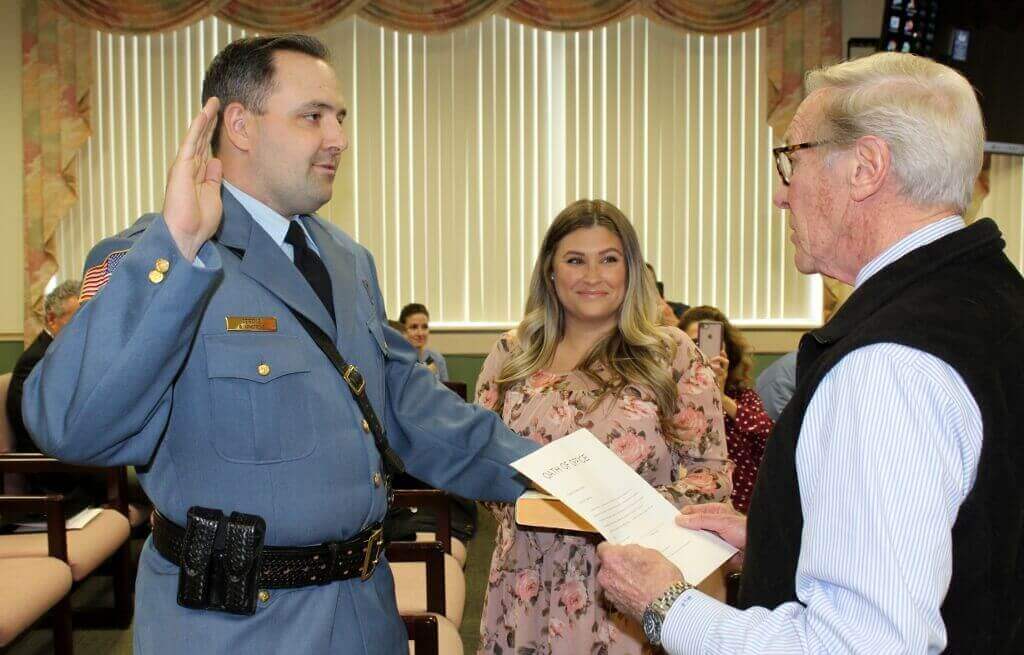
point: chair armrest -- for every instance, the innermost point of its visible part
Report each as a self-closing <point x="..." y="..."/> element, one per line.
<point x="432" y="554"/>
<point x="422" y="631"/>
<point x="433" y="499"/>
<point x="732" y="588"/>
<point x="53" y="507"/>
<point x="117" y="477"/>
<point x="39" y="463"/>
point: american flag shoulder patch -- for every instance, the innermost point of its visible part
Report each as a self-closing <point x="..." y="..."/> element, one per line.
<point x="97" y="276"/>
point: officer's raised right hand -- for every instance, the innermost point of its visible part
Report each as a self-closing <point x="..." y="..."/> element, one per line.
<point x="192" y="206"/>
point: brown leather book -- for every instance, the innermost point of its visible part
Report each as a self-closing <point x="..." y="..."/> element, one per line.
<point x="538" y="510"/>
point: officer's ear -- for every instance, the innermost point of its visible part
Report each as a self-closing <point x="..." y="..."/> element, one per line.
<point x="237" y="126"/>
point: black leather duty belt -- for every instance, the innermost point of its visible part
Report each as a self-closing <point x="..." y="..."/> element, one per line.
<point x="289" y="567"/>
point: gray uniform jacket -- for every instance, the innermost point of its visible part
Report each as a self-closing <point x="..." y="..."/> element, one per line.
<point x="256" y="422"/>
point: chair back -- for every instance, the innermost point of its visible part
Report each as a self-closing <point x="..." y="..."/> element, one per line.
<point x="6" y="433"/>
<point x="458" y="387"/>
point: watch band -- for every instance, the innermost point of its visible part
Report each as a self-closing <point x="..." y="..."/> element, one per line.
<point x="654" y="615"/>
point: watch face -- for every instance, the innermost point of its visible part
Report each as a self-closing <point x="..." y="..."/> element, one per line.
<point x="652" y="627"/>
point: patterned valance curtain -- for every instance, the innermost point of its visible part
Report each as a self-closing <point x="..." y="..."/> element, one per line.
<point x="801" y="35"/>
<point x="142" y="16"/>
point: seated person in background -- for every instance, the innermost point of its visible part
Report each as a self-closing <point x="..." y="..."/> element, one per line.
<point x="80" y="491"/>
<point x="401" y="521"/>
<point x="58" y="308"/>
<point x="416" y="320"/>
<point x="591" y="352"/>
<point x="777" y="383"/>
<point x="678" y="309"/>
<point x="669" y="310"/>
<point x="747" y="425"/>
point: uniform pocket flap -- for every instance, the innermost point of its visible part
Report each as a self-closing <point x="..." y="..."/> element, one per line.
<point x="255" y="357"/>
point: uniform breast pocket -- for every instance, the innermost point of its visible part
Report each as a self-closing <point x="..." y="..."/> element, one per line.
<point x="259" y="392"/>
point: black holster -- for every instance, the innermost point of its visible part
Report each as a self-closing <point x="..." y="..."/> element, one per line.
<point x="220" y="561"/>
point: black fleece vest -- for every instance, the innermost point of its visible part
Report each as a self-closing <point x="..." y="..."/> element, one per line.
<point x="961" y="300"/>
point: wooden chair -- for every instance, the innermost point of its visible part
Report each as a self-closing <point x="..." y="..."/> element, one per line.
<point x="104" y="541"/>
<point x="732" y="588"/>
<point x="10" y="483"/>
<point x="427" y="580"/>
<point x="422" y="597"/>
<point x="16" y="483"/>
<point x="436" y="501"/>
<point x="430" y="634"/>
<point x="458" y="387"/>
<point x="34" y="585"/>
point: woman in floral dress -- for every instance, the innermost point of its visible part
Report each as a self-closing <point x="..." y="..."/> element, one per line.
<point x="590" y="353"/>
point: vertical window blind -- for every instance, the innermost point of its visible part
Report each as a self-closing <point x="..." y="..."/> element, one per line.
<point x="464" y="146"/>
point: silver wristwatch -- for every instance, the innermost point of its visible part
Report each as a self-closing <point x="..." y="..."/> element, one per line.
<point x="654" y="615"/>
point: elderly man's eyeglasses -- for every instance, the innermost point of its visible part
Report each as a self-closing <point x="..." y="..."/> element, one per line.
<point x="784" y="161"/>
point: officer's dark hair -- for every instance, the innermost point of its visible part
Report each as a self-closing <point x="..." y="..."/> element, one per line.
<point x="412" y="309"/>
<point x="244" y="71"/>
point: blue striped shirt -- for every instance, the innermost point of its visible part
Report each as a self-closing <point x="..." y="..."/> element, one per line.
<point x="888" y="451"/>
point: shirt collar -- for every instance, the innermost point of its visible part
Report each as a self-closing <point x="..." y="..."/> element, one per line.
<point x="916" y="239"/>
<point x="273" y="224"/>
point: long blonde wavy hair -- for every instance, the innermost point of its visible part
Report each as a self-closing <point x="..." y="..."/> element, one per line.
<point x="639" y="352"/>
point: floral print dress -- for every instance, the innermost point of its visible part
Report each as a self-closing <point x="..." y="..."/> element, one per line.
<point x="542" y="596"/>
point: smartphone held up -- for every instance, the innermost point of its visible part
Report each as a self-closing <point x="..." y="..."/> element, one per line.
<point x="709" y="338"/>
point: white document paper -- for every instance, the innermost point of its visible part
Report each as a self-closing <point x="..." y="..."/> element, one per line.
<point x="76" y="522"/>
<point x="581" y="472"/>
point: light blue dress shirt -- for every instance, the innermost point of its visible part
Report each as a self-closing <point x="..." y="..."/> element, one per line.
<point x="272" y="223"/>
<point x="887" y="453"/>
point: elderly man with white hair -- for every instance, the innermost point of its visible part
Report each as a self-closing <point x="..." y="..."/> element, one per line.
<point x="59" y="307"/>
<point x="889" y="509"/>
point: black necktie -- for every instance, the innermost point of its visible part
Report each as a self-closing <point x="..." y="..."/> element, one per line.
<point x="311" y="266"/>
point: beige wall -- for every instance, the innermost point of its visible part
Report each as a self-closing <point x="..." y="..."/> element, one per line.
<point x="861" y="18"/>
<point x="475" y="342"/>
<point x="10" y="175"/>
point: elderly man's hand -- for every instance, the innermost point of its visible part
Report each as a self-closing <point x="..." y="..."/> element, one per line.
<point x="723" y="520"/>
<point x="633" y="577"/>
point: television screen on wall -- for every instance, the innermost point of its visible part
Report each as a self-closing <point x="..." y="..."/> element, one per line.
<point x="984" y="40"/>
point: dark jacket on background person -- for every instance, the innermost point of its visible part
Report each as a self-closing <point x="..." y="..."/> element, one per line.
<point x="26" y="362"/>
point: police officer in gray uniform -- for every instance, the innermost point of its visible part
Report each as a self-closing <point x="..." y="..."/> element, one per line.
<point x="202" y="361"/>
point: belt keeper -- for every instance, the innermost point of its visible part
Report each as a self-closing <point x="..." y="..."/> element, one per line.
<point x="333" y="548"/>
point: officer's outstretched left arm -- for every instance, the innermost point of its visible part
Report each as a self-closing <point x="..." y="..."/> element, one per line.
<point x="443" y="440"/>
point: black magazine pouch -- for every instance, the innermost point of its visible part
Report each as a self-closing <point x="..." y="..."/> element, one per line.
<point x="220" y="561"/>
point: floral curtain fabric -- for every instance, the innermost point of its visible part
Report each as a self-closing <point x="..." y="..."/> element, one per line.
<point x="56" y="81"/>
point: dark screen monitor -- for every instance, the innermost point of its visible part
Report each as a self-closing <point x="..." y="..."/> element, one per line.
<point x="984" y="40"/>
